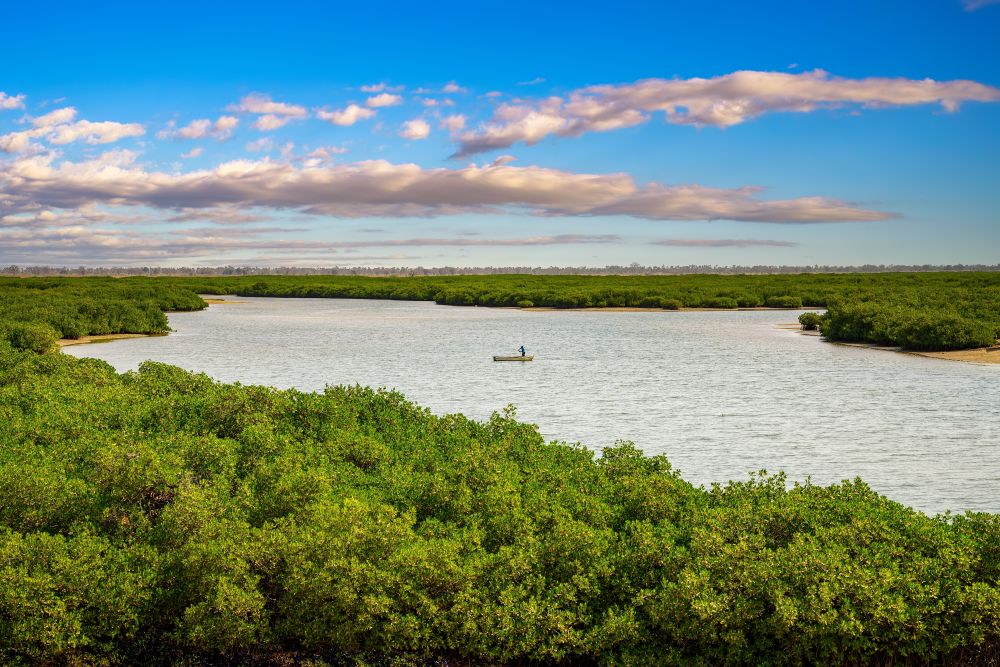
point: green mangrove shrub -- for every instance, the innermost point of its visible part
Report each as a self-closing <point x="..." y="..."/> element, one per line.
<point x="810" y="321"/>
<point x="159" y="517"/>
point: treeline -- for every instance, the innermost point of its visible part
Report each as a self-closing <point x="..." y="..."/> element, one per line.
<point x="924" y="311"/>
<point x="611" y="269"/>
<point x="158" y="517"/>
<point x="918" y="311"/>
<point x="36" y="312"/>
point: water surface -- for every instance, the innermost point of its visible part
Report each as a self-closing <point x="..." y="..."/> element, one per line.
<point x="720" y="393"/>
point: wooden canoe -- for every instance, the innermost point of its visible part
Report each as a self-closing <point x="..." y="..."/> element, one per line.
<point x="514" y="358"/>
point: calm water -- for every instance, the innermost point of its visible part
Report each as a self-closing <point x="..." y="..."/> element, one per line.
<point x="720" y="393"/>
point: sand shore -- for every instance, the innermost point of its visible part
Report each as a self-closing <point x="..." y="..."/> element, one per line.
<point x="979" y="355"/>
<point x="102" y="338"/>
<point x="213" y="301"/>
<point x="636" y="309"/>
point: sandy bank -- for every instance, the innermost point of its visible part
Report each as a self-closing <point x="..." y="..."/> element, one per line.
<point x="103" y="338"/>
<point x="212" y="301"/>
<point x="979" y="355"/>
<point x="636" y="309"/>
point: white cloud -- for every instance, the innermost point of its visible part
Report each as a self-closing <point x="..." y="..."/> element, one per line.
<point x="87" y="244"/>
<point x="225" y="124"/>
<point x="262" y="145"/>
<point x="221" y="129"/>
<point x="453" y="123"/>
<point x="321" y="156"/>
<point x="452" y="87"/>
<point x="384" y="100"/>
<point x="196" y="129"/>
<point x="270" y="121"/>
<point x="415" y="129"/>
<point x="43" y="217"/>
<point x="104" y="132"/>
<point x="271" y="114"/>
<point x="193" y="153"/>
<point x="723" y="243"/>
<point x="379" y="188"/>
<point x="720" y="101"/>
<point x="56" y="128"/>
<point x="19" y="142"/>
<point x="263" y="104"/>
<point x="347" y="116"/>
<point x="55" y="117"/>
<point x="534" y="82"/>
<point x="9" y="102"/>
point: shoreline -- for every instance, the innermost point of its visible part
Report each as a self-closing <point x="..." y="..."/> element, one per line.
<point x="101" y="338"/>
<point x="214" y="300"/>
<point x="982" y="355"/>
<point x="976" y="355"/>
<point x="638" y="309"/>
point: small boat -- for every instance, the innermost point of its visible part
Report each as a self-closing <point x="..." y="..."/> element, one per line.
<point x="516" y="357"/>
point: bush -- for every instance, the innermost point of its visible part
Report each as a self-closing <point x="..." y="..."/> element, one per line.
<point x="720" y="302"/>
<point x="810" y="321"/>
<point x="170" y="519"/>
<point x="783" y="302"/>
<point x="32" y="336"/>
<point x="660" y="302"/>
<point x="524" y="303"/>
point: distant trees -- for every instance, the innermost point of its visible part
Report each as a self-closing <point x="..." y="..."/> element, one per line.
<point x="912" y="310"/>
<point x="785" y="301"/>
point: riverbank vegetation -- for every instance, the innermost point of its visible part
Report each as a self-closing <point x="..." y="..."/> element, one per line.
<point x="36" y="312"/>
<point x="159" y="517"/>
<point x="918" y="311"/>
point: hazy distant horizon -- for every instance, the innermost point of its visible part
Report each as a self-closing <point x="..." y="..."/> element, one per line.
<point x="634" y="269"/>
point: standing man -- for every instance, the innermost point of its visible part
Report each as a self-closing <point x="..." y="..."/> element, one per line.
<point x="522" y="350"/>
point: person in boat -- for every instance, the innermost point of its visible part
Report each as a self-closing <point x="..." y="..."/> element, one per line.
<point x="522" y="350"/>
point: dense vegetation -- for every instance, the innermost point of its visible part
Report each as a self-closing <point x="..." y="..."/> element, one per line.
<point x="922" y="311"/>
<point x="36" y="312"/>
<point x="159" y="517"/>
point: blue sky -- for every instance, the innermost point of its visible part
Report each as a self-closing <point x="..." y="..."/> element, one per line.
<point x="585" y="134"/>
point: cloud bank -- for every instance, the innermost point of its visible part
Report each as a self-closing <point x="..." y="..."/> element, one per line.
<point x="380" y="188"/>
<point x="723" y="243"/>
<point x="720" y="101"/>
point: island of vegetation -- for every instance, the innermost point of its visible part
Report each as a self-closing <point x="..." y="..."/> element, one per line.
<point x="913" y="311"/>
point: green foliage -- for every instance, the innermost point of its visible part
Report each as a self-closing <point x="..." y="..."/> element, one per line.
<point x="720" y="302"/>
<point x="810" y="321"/>
<point x="785" y="301"/>
<point x="159" y="517"/>
<point x="35" y="337"/>
<point x="922" y="311"/>
<point x="75" y="307"/>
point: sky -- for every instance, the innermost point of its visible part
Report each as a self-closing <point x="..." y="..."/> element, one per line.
<point x="500" y="134"/>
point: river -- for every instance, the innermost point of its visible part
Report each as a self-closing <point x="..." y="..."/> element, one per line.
<point x="720" y="393"/>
